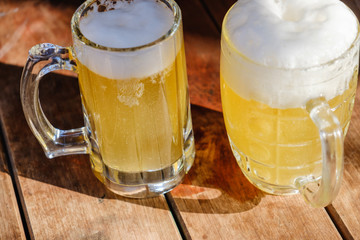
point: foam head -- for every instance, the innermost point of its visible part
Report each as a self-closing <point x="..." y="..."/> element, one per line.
<point x="126" y="24"/>
<point x="129" y="24"/>
<point x="280" y="52"/>
<point x="291" y="34"/>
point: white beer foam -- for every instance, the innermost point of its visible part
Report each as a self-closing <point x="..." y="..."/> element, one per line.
<point x="286" y="35"/>
<point x="129" y="24"/>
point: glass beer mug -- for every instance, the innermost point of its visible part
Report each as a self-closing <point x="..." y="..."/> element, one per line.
<point x="286" y="122"/>
<point x="138" y="129"/>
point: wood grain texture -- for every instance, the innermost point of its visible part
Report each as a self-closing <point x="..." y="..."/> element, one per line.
<point x="217" y="202"/>
<point x="11" y="226"/>
<point x="202" y="55"/>
<point x="346" y="205"/>
<point x="347" y="202"/>
<point x="215" y="191"/>
<point x="63" y="198"/>
<point x="65" y="201"/>
<point x="32" y="22"/>
<point x="218" y="9"/>
<point x="49" y="21"/>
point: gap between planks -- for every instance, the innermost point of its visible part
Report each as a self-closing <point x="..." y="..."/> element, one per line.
<point x="184" y="232"/>
<point x="211" y="16"/>
<point x="16" y="184"/>
<point x="330" y="210"/>
<point x="338" y="222"/>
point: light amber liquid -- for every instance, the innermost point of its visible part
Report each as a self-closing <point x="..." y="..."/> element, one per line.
<point x="137" y="124"/>
<point x="276" y="146"/>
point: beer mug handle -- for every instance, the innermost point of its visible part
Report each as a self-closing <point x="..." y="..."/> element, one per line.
<point x="332" y="142"/>
<point x="55" y="142"/>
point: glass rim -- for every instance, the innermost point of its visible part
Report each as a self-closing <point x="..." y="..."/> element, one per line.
<point x="76" y="32"/>
<point x="354" y="44"/>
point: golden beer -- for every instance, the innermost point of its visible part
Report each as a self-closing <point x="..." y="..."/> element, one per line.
<point x="273" y="66"/>
<point x="130" y="61"/>
<point x="277" y="146"/>
<point x="136" y="123"/>
<point x="134" y="92"/>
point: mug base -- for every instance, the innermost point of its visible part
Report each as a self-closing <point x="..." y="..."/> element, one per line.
<point x="143" y="184"/>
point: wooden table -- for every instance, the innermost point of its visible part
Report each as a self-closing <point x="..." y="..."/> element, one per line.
<point x="61" y="198"/>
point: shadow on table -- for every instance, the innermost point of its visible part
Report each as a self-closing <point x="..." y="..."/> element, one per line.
<point x="215" y="184"/>
<point x="61" y="103"/>
<point x="214" y="167"/>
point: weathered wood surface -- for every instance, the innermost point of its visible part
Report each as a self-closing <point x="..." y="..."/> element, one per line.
<point x="217" y="202"/>
<point x="26" y="23"/>
<point x="201" y="38"/>
<point x="346" y="209"/>
<point x="347" y="204"/>
<point x="63" y="200"/>
<point x="10" y="221"/>
<point x="32" y="22"/>
<point x="215" y="193"/>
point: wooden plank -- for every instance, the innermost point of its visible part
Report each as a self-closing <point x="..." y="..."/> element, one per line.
<point x="347" y="203"/>
<point x="345" y="211"/>
<point x="11" y="226"/>
<point x="32" y="22"/>
<point x="216" y="201"/>
<point x="63" y="198"/>
<point x="39" y="21"/>
<point x="218" y="9"/>
<point x="346" y="206"/>
<point x="212" y="203"/>
<point x="202" y="55"/>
